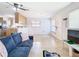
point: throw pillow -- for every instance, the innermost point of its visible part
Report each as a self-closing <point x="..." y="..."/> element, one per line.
<point x="24" y="36"/>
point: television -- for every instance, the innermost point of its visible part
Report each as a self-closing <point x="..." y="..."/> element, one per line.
<point x="73" y="35"/>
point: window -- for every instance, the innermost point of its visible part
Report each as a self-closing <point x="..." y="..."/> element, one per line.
<point x="35" y="23"/>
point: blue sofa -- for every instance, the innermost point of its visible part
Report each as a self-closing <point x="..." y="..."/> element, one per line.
<point x="15" y="47"/>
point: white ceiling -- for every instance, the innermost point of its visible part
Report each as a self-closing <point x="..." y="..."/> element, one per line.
<point x="36" y="9"/>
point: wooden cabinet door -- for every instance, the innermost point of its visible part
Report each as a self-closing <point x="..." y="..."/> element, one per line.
<point x="20" y="18"/>
<point x="1" y="20"/>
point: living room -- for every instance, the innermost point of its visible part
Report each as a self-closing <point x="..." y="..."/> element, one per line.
<point x="28" y="29"/>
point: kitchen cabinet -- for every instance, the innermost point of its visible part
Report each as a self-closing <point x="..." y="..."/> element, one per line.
<point x="1" y="20"/>
<point x="19" y="18"/>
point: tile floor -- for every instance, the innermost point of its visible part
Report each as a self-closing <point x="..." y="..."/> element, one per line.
<point x="42" y="42"/>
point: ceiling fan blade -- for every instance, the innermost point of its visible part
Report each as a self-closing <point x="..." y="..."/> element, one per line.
<point x="24" y="9"/>
<point x="18" y="6"/>
<point x="10" y="4"/>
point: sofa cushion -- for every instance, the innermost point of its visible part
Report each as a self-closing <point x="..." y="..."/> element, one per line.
<point x="27" y="43"/>
<point x="9" y="43"/>
<point x="20" y="52"/>
<point x="17" y="38"/>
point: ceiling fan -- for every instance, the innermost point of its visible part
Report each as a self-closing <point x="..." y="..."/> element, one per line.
<point x="18" y="6"/>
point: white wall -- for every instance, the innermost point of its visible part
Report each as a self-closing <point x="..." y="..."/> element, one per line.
<point x="74" y="19"/>
<point x="44" y="27"/>
<point x="61" y="31"/>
